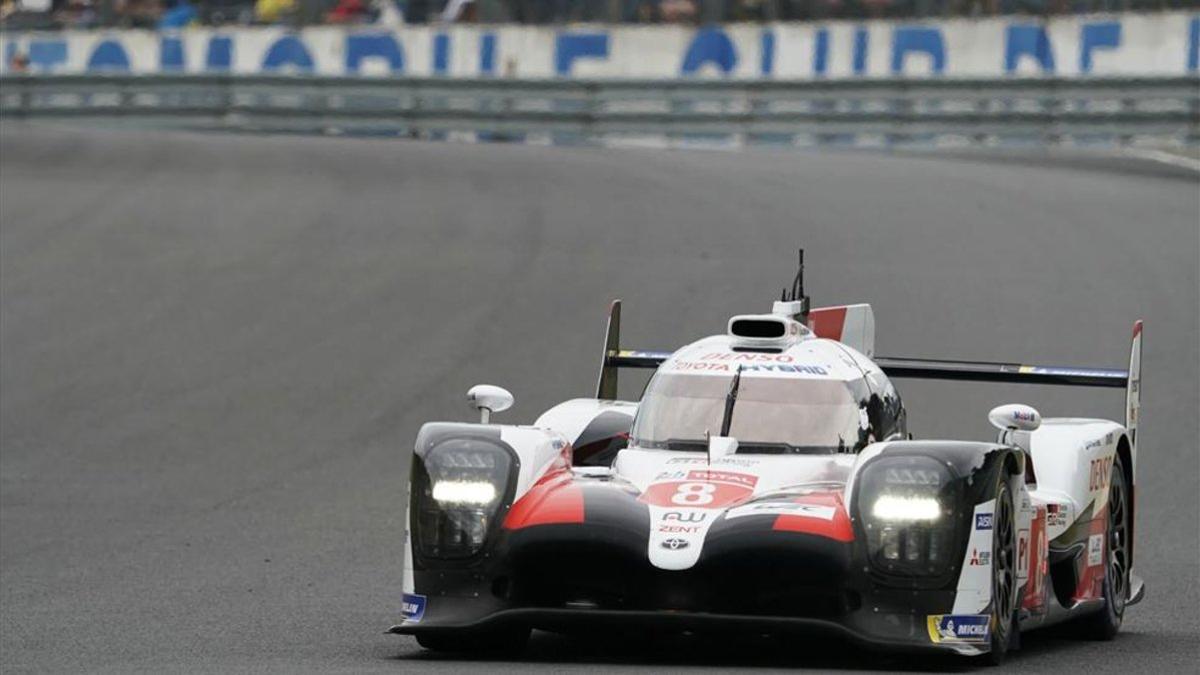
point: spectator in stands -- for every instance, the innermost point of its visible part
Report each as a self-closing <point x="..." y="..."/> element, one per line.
<point x="348" y="11"/>
<point x="677" y="11"/>
<point x="179" y="13"/>
<point x="137" y="13"/>
<point x="274" y="11"/>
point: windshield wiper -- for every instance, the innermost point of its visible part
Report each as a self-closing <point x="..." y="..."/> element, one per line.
<point x="730" y="399"/>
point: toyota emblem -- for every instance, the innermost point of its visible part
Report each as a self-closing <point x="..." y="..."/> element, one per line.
<point x="674" y="544"/>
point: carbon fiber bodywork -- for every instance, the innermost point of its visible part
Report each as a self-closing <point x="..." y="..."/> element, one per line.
<point x="594" y="573"/>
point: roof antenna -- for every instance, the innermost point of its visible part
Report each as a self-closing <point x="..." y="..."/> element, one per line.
<point x="798" y="295"/>
<point x="795" y="303"/>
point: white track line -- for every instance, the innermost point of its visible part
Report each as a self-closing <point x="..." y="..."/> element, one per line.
<point x="1163" y="158"/>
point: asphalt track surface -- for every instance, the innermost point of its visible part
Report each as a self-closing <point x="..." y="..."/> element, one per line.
<point x="216" y="351"/>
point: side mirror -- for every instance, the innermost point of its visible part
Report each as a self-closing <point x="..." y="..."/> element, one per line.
<point x="1015" y="417"/>
<point x="488" y="399"/>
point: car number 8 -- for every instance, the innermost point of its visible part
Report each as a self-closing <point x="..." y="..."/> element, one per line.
<point x="692" y="494"/>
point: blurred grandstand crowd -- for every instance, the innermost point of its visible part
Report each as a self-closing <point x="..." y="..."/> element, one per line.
<point x="169" y="14"/>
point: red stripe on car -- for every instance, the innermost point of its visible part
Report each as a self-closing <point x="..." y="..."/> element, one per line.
<point x="838" y="527"/>
<point x="556" y="499"/>
<point x="827" y="322"/>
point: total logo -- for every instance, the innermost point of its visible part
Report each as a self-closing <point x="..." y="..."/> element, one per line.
<point x="675" y="544"/>
<point x="980" y="558"/>
<point x="969" y="628"/>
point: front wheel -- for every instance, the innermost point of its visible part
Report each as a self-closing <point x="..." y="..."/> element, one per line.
<point x="1105" y="624"/>
<point x="1004" y="573"/>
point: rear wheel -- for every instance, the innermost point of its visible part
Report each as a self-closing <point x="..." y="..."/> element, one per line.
<point x="496" y="641"/>
<point x="1004" y="573"/>
<point x="1105" y="624"/>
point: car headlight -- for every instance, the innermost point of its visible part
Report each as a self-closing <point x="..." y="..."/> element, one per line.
<point x="458" y="488"/>
<point x="907" y="507"/>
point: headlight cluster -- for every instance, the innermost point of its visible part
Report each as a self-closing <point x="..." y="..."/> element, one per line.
<point x="458" y="490"/>
<point x="907" y="508"/>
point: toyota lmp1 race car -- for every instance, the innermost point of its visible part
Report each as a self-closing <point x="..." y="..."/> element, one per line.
<point x="767" y="483"/>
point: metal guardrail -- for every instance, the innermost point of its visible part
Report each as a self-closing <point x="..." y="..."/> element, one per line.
<point x="893" y="111"/>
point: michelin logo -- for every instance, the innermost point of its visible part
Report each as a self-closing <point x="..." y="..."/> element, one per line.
<point x="960" y="628"/>
<point x="412" y="607"/>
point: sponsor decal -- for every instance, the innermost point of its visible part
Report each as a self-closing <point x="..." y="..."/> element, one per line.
<point x="1108" y="438"/>
<point x="959" y="628"/>
<point x="412" y="607"/>
<point x="820" y="511"/>
<point x="685" y="516"/>
<point x="1056" y="515"/>
<point x="742" y="479"/>
<point x="699" y="488"/>
<point x="983" y="521"/>
<point x="980" y="558"/>
<point x="674" y="544"/>
<point x="777" y="368"/>
<point x="1023" y="554"/>
<point x="1095" y="550"/>
<point x="757" y="367"/>
<point x="744" y="357"/>
<point x="723" y="461"/>
<point x="1022" y="416"/>
<point x="1101" y="471"/>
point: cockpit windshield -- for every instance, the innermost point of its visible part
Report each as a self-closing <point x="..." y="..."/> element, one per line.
<point x="775" y="415"/>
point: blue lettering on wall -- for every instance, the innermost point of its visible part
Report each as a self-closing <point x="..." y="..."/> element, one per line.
<point x="766" y="43"/>
<point x="220" y="53"/>
<point x="861" y="44"/>
<point x="1193" y="45"/>
<point x="108" y="55"/>
<point x="918" y="39"/>
<point x="1093" y="36"/>
<point x="170" y="54"/>
<point x="1027" y="40"/>
<point x="45" y="55"/>
<point x="288" y="51"/>
<point x="441" y="54"/>
<point x="571" y="46"/>
<point x="362" y="46"/>
<point x="821" y="52"/>
<point x="487" y="54"/>
<point x="711" y="45"/>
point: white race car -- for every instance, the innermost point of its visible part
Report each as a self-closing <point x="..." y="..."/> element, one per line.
<point x="766" y="482"/>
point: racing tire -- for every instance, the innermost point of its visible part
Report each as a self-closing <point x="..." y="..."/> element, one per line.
<point x="507" y="641"/>
<point x="1106" y="623"/>
<point x="1004" y="574"/>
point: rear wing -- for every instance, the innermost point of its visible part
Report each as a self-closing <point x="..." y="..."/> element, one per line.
<point x="925" y="369"/>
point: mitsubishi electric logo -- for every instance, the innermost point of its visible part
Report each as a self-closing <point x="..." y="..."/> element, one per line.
<point x="674" y="544"/>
